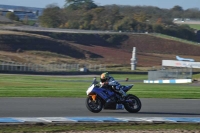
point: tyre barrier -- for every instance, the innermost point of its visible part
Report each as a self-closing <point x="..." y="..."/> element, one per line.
<point x="99" y="119"/>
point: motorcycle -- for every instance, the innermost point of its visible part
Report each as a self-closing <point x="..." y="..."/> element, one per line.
<point x="99" y="98"/>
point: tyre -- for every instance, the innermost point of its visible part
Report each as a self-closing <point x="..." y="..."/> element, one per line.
<point x="133" y="104"/>
<point x="94" y="106"/>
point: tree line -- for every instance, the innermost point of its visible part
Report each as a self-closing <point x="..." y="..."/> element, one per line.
<point x="85" y="14"/>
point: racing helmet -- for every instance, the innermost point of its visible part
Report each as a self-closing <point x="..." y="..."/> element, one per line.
<point x="104" y="76"/>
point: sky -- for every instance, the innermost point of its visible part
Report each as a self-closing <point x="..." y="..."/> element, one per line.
<point x="185" y="4"/>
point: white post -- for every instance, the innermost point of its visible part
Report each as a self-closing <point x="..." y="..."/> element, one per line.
<point x="133" y="59"/>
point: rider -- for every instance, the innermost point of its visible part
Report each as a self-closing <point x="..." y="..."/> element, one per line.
<point x="107" y="81"/>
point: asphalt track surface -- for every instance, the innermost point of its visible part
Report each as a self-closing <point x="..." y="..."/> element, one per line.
<point x="71" y="107"/>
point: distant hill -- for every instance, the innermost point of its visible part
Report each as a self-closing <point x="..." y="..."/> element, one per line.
<point x="3" y="19"/>
<point x="46" y="47"/>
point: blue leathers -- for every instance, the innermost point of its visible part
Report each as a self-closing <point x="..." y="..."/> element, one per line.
<point x="112" y="82"/>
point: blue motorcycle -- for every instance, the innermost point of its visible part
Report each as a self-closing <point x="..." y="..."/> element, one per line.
<point x="107" y="98"/>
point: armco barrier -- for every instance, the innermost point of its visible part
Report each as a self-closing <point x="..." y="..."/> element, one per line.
<point x="171" y="81"/>
<point x="69" y="73"/>
<point x="99" y="119"/>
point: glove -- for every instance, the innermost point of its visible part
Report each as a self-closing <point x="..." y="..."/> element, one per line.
<point x="103" y="84"/>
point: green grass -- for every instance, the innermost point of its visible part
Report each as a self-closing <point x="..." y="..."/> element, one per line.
<point x="174" y="38"/>
<point x="195" y="26"/>
<point x="196" y="76"/>
<point x="54" y="86"/>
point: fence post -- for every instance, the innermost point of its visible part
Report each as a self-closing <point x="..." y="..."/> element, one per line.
<point x="77" y="67"/>
<point x="10" y="66"/>
<point x="2" y="66"/>
<point x="20" y="66"/>
<point x="24" y="67"/>
<point x="29" y="67"/>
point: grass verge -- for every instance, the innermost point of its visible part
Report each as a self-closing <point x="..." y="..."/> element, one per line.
<point x="52" y="86"/>
<point x="103" y="127"/>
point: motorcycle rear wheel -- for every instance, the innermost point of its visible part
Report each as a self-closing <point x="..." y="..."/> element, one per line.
<point x="94" y="106"/>
<point x="133" y="105"/>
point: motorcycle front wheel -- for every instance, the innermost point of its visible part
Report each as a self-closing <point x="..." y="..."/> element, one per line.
<point x="133" y="103"/>
<point x="94" y="106"/>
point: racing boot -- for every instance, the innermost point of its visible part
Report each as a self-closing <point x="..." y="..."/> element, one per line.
<point x="123" y="95"/>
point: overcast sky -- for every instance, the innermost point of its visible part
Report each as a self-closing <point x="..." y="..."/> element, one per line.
<point x="185" y="4"/>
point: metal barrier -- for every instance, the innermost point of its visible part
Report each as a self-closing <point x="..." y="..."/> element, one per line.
<point x="7" y="66"/>
<point x="173" y="73"/>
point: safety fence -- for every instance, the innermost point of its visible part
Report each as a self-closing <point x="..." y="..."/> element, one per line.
<point x="7" y="66"/>
<point x="173" y="73"/>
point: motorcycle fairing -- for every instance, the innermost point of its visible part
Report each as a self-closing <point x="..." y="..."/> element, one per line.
<point x="102" y="92"/>
<point x="127" y="87"/>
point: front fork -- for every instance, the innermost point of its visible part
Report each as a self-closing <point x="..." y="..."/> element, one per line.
<point x="93" y="97"/>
